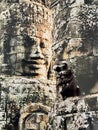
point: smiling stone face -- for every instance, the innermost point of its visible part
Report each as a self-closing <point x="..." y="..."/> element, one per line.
<point x="27" y="40"/>
<point x="38" y="53"/>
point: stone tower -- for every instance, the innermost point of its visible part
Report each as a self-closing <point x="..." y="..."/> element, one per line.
<point x="75" y="39"/>
<point x="75" y="52"/>
<point x="26" y="78"/>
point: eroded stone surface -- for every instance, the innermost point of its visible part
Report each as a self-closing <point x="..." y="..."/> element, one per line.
<point x="25" y="50"/>
<point x="29" y="119"/>
<point x="25" y="97"/>
<point x="27" y="40"/>
<point x="73" y="113"/>
<point x="26" y="56"/>
<point x="75" y="39"/>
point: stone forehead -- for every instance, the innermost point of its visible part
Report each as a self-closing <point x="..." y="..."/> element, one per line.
<point x="39" y="31"/>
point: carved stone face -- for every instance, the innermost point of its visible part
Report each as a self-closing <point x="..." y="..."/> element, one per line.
<point x="28" y="54"/>
<point x="38" y="53"/>
<point x="27" y="40"/>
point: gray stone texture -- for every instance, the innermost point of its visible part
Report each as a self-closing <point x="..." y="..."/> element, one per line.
<point x="27" y="82"/>
<point x="28" y="90"/>
<point x="75" y="39"/>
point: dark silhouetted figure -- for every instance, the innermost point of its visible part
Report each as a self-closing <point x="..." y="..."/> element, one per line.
<point x="66" y="84"/>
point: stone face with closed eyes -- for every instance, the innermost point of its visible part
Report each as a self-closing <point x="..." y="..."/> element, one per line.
<point x="27" y="40"/>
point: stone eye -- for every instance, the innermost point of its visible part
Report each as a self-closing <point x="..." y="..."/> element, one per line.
<point x="42" y="45"/>
<point x="28" y="41"/>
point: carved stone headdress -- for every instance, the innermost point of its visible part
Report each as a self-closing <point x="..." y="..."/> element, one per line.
<point x="26" y="17"/>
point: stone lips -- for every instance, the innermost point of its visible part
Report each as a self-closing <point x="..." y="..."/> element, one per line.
<point x="35" y="68"/>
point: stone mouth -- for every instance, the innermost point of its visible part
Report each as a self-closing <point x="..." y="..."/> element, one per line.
<point x="33" y="68"/>
<point x="30" y="74"/>
<point x="33" y="61"/>
<point x="36" y="58"/>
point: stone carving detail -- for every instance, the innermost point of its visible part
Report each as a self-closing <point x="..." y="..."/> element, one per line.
<point x="76" y="39"/>
<point x="25" y="50"/>
<point x="27" y="40"/>
<point x="34" y="116"/>
<point x="66" y="84"/>
<point x="20" y="92"/>
<point x="75" y="34"/>
<point x="26" y="63"/>
<point x="72" y="113"/>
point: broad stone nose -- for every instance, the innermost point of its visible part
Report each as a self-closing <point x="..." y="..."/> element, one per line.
<point x="36" y="51"/>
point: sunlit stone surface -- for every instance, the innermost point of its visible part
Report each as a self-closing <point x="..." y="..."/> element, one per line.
<point x="27" y="79"/>
<point x="76" y="39"/>
<point x="27" y="40"/>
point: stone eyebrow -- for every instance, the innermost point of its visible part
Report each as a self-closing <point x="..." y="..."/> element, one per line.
<point x="29" y="41"/>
